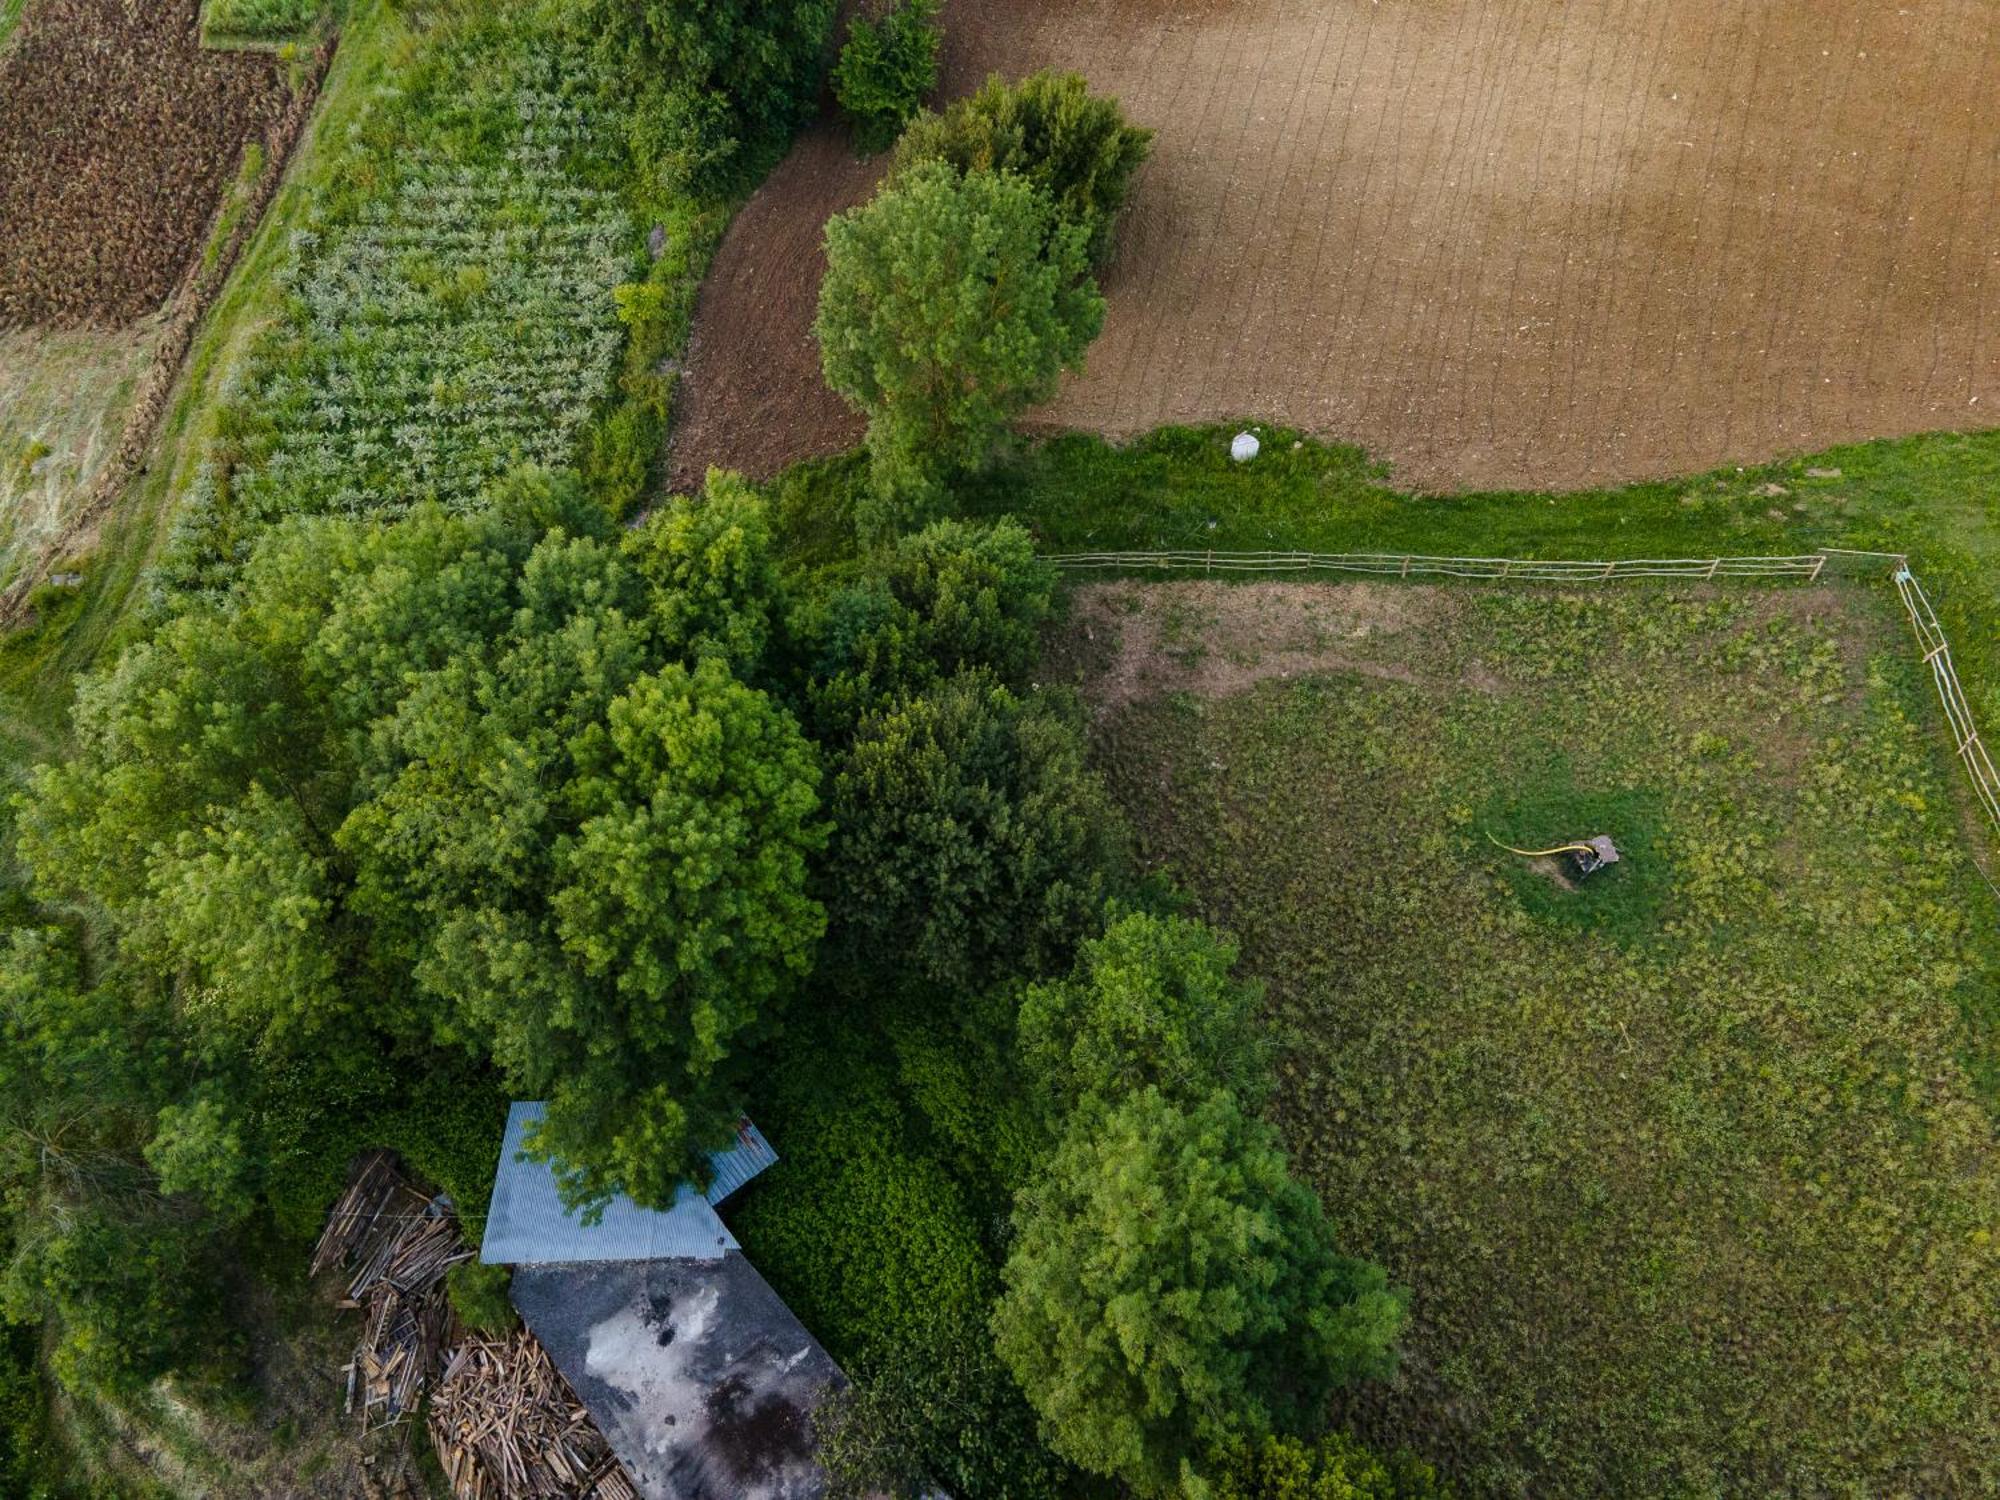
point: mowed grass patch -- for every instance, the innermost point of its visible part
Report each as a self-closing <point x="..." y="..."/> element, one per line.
<point x="1690" y="1170"/>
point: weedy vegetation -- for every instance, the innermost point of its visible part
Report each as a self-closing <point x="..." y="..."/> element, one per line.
<point x="1688" y="1164"/>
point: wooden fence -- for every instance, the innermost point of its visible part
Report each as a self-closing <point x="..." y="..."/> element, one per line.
<point x="1957" y="712"/>
<point x="1417" y="565"/>
<point x="1807" y="567"/>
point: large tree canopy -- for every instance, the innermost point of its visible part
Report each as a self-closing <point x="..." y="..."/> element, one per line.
<point x="493" y="782"/>
<point x="1173" y="1291"/>
<point x="972" y="839"/>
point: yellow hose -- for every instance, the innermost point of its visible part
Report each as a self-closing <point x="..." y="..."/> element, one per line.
<point x="1538" y="853"/>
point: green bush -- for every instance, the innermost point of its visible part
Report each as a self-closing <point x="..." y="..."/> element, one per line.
<point x="1335" y="1467"/>
<point x="479" y="1296"/>
<point x="889" y="64"/>
<point x="1150" y="1004"/>
<point x="258" y="20"/>
<point x="1076" y="147"/>
<point x="731" y="77"/>
<point x="950" y="598"/>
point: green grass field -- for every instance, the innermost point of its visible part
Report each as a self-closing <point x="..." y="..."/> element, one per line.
<point x="1690" y="1167"/>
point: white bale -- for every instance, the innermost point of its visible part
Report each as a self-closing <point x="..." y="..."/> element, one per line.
<point x="1244" y="447"/>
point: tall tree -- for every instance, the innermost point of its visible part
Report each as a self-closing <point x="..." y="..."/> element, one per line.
<point x="951" y="304"/>
<point x="1172" y="1291"/>
<point x="492" y="782"/>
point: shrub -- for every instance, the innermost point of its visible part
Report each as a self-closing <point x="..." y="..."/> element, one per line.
<point x="743" y="71"/>
<point x="1335" y="1467"/>
<point x="258" y="20"/>
<point x="1076" y="147"/>
<point x="951" y="303"/>
<point x="479" y="1296"/>
<point x="950" y="598"/>
<point x="1150" y="1004"/>
<point x="887" y="67"/>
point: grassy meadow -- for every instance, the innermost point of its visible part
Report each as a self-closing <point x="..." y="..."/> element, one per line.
<point x="1689" y="1164"/>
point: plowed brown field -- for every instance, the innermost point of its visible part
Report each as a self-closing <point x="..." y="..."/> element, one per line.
<point x="118" y="135"/>
<point x="1535" y="243"/>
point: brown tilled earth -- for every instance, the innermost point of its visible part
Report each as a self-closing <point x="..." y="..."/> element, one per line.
<point x="118" y="135"/>
<point x="1499" y="242"/>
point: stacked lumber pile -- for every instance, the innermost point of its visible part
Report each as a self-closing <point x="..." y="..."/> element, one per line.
<point x="507" y="1426"/>
<point x="397" y="1246"/>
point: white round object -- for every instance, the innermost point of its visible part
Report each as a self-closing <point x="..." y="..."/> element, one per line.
<point x="1244" y="447"/>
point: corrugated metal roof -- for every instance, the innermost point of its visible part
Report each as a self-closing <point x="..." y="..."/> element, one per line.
<point x="735" y="1165"/>
<point x="527" y="1224"/>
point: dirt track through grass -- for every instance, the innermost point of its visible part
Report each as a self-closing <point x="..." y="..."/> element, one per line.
<point x="1515" y="244"/>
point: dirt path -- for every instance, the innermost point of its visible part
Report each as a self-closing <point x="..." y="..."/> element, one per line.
<point x="1511" y="243"/>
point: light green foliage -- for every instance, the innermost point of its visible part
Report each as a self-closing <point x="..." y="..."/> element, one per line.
<point x="1172" y="1290"/>
<point x="864" y="1230"/>
<point x="970" y="837"/>
<point x="258" y="20"/>
<point x="950" y="598"/>
<point x="1049" y="128"/>
<point x="1150" y="1005"/>
<point x="889" y="64"/>
<point x="1335" y="1467"/>
<point x="719" y="84"/>
<point x="479" y="1296"/>
<point x="1695" y="1189"/>
<point x="484" y="780"/>
<point x="950" y="304"/>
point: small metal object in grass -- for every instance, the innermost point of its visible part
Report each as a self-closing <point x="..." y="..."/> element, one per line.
<point x="1587" y="856"/>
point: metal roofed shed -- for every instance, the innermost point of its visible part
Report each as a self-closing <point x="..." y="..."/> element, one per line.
<point x="697" y="1374"/>
<point x="527" y="1224"/>
<point x="695" y="1371"/>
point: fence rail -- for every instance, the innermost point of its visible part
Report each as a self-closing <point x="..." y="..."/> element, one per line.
<point x="1417" y="565"/>
<point x="1972" y="753"/>
<point x="1957" y="712"/>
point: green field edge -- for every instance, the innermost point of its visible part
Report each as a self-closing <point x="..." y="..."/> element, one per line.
<point x="38" y="666"/>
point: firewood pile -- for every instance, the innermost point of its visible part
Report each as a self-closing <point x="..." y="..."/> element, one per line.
<point x="507" y="1426"/>
<point x="396" y="1245"/>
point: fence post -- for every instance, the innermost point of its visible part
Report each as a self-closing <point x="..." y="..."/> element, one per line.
<point x="1713" y="564"/>
<point x="1816" y="567"/>
<point x="1406" y="565"/>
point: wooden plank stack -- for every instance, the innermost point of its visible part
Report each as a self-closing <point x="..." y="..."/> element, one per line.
<point x="507" y="1426"/>
<point x="397" y="1246"/>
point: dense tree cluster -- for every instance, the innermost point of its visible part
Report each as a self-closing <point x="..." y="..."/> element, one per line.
<point x="501" y="782"/>
<point x="719" y="83"/>
<point x="384" y="823"/>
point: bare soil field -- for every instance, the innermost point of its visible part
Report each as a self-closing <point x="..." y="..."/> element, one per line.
<point x="1501" y="244"/>
<point x="118" y="138"/>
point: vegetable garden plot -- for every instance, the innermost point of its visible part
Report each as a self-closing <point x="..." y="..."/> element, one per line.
<point x="463" y="326"/>
<point x="118" y="137"/>
<point x="1689" y="1167"/>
